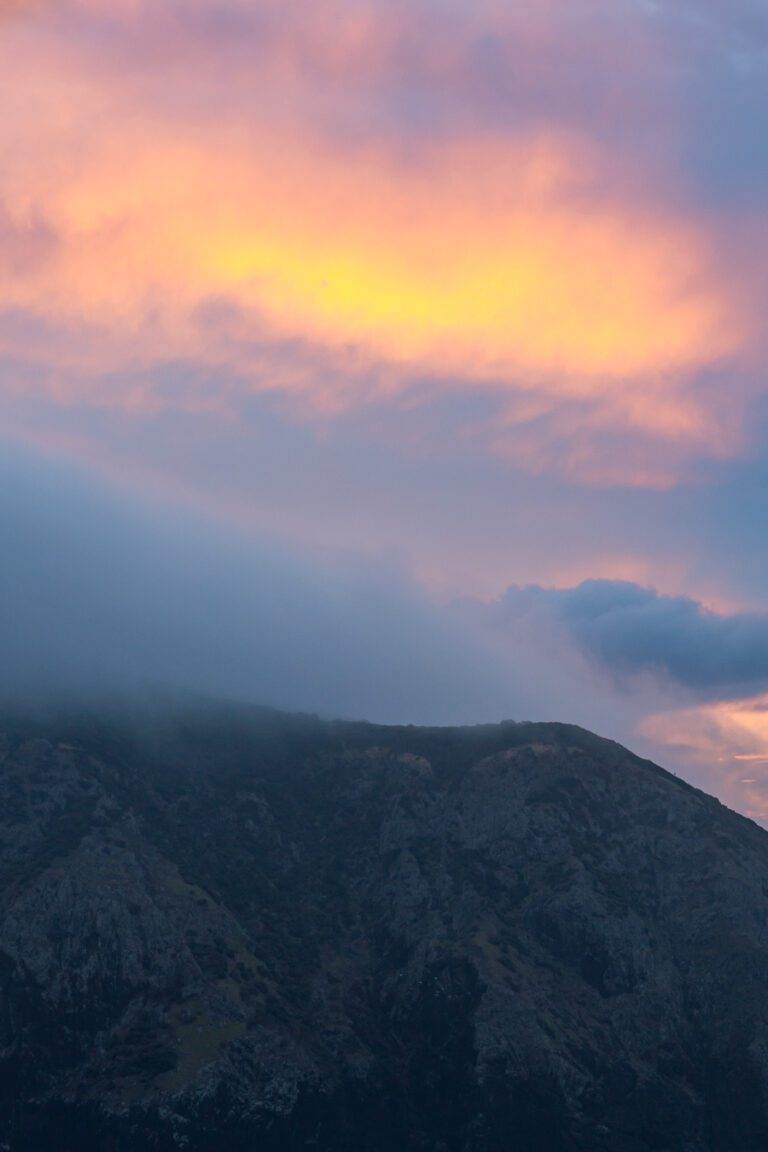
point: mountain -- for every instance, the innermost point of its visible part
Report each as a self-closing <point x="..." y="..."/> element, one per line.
<point x="223" y="928"/>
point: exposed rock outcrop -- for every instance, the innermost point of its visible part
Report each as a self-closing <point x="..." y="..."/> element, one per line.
<point x="234" y="929"/>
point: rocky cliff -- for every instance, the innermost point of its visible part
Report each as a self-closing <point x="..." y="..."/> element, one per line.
<point x="222" y="928"/>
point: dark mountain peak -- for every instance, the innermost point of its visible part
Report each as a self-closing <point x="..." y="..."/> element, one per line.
<point x="228" y="927"/>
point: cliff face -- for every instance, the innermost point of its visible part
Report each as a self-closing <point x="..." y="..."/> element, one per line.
<point x="237" y="930"/>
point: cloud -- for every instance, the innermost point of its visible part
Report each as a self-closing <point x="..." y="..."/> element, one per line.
<point x="724" y="743"/>
<point x="688" y="685"/>
<point x="106" y="588"/>
<point x="370" y="183"/>
<point x="98" y="590"/>
<point x="631" y="630"/>
<point x="17" y="7"/>
<point x="24" y="244"/>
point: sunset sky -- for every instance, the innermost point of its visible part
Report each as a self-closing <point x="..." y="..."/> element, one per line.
<point x="402" y="359"/>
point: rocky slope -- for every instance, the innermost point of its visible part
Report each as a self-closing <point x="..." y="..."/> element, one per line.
<point x="222" y="928"/>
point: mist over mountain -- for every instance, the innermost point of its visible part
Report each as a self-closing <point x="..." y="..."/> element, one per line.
<point x="103" y="592"/>
<point x="225" y="927"/>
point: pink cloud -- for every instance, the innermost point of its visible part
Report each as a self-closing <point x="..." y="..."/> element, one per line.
<point x="378" y="210"/>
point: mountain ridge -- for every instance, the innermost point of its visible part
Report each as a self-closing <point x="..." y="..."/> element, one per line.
<point x="231" y="927"/>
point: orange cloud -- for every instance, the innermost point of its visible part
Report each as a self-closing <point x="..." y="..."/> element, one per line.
<point x="472" y="262"/>
<point x="514" y="263"/>
<point x="728" y="740"/>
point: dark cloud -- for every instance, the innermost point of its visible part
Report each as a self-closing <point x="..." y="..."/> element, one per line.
<point x="631" y="630"/>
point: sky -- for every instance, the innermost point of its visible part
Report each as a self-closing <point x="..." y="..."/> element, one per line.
<point x="403" y="361"/>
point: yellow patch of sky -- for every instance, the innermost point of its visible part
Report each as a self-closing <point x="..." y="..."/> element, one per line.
<point x="482" y="261"/>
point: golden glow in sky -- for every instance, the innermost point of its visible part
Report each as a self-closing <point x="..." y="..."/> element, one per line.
<point x="521" y="262"/>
